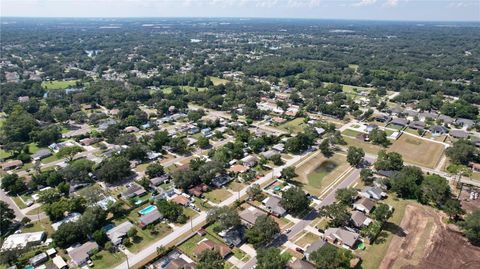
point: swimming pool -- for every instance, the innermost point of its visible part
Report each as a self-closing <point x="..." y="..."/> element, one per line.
<point x="147" y="210"/>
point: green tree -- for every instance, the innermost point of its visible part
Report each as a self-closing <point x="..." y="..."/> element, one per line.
<point x="277" y="159"/>
<point x="435" y="190"/>
<point x="390" y="161"/>
<point x="331" y="257"/>
<point x="155" y="170"/>
<point x="254" y="192"/>
<point x="346" y="195"/>
<point x="100" y="237"/>
<point x="462" y="152"/>
<point x="379" y="137"/>
<point x="49" y="196"/>
<point x="19" y="125"/>
<point x="48" y="135"/>
<point x="203" y="142"/>
<point x="114" y="169"/>
<point x="69" y="152"/>
<point x="13" y="184"/>
<point x="224" y="217"/>
<point x="210" y="259"/>
<point x="68" y="234"/>
<point x="170" y="211"/>
<point x="382" y="213"/>
<point x="295" y="201"/>
<point x="453" y="208"/>
<point x="7" y="215"/>
<point x="406" y="183"/>
<point x="288" y="173"/>
<point x="371" y="231"/>
<point x="325" y="148"/>
<point x="262" y="232"/>
<point x="355" y="156"/>
<point x="366" y="175"/>
<point x="159" y="140"/>
<point x="338" y="214"/>
<point x="271" y="258"/>
<point x="471" y="227"/>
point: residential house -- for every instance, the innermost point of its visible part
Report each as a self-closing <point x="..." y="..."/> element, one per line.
<point x="417" y="125"/>
<point x="385" y="173"/>
<point x="269" y="154"/>
<point x="181" y="200"/>
<point x="156" y="181"/>
<point x="446" y="119"/>
<point x="411" y="114"/>
<point x="373" y="193"/>
<point x="274" y="206"/>
<point x="41" y="154"/>
<point x="207" y="244"/>
<point x="59" y="262"/>
<point x="238" y="169"/>
<point x="401" y="122"/>
<point x="465" y="123"/>
<point x="249" y="161"/>
<point x="9" y="165"/>
<point x="117" y="233"/>
<point x="198" y="190"/>
<point x="341" y="237"/>
<point x="279" y="147"/>
<point x="133" y="191"/>
<point x="459" y="134"/>
<point x="320" y="131"/>
<point x="221" y="181"/>
<point x="300" y="264"/>
<point x="80" y="254"/>
<point x="359" y="219"/>
<point x="250" y="215"/>
<point x="382" y="118"/>
<point x="131" y="129"/>
<point x="71" y="217"/>
<point x="38" y="259"/>
<point x="149" y="218"/>
<point x="364" y="204"/>
<point x="180" y="263"/>
<point x="438" y="130"/>
<point x="425" y="116"/>
<point x="88" y="141"/>
<point x="23" y="240"/>
<point x="314" y="247"/>
<point x="234" y="236"/>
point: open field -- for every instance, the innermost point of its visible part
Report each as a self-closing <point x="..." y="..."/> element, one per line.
<point x="218" y="81"/>
<point x="319" y="172"/>
<point x="306" y="239"/>
<point x="418" y="151"/>
<point x="367" y="147"/>
<point x="58" y="84"/>
<point x="294" y="126"/>
<point x="429" y="243"/>
<point x="350" y="132"/>
<point x="168" y="90"/>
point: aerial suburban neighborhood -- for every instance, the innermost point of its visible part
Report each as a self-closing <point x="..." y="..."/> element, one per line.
<point x="229" y="143"/>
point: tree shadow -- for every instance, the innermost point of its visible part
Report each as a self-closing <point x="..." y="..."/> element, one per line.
<point x="394" y="229"/>
<point x="137" y="239"/>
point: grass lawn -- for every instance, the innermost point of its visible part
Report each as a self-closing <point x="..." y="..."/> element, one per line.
<point x="235" y="186"/>
<point x="367" y="147"/>
<point x="50" y="159"/>
<point x="105" y="259"/>
<point x="142" y="167"/>
<point x="418" y="151"/>
<point x="203" y="205"/>
<point x="189" y="212"/>
<point x="350" y="132"/>
<point x="19" y="202"/>
<point x="294" y="126"/>
<point x="4" y="154"/>
<point x="146" y="237"/>
<point x="33" y="148"/>
<point x="188" y="246"/>
<point x="58" y="84"/>
<point x="373" y="255"/>
<point x="218" y="195"/>
<point x="40" y="225"/>
<point x="393" y="126"/>
<point x="168" y="90"/>
<point x="307" y="239"/>
<point x="319" y="172"/>
<point x="218" y="81"/>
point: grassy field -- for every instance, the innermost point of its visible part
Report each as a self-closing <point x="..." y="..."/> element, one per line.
<point x="189" y="212"/>
<point x="294" y="126"/>
<point x="319" y="172"/>
<point x="40" y="225"/>
<point x="307" y="239"/>
<point x="168" y="90"/>
<point x="218" y="81"/>
<point x="218" y="195"/>
<point x="4" y="154"/>
<point x="58" y="84"/>
<point x="350" y="132"/>
<point x="418" y="151"/>
<point x="235" y="186"/>
<point x="105" y="259"/>
<point x="188" y="246"/>
<point x="367" y="147"/>
<point x="373" y="255"/>
<point x="146" y="237"/>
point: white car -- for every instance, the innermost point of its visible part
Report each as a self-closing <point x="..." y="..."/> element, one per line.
<point x="90" y="263"/>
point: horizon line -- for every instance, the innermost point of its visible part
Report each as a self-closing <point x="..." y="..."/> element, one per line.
<point x="236" y="17"/>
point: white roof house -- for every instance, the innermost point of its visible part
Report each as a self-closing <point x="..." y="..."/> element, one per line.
<point x="19" y="241"/>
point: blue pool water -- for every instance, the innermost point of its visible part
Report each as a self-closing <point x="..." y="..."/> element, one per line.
<point x="147" y="209"/>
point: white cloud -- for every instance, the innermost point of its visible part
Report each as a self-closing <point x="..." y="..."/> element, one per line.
<point x="363" y="3"/>
<point x="392" y="3"/>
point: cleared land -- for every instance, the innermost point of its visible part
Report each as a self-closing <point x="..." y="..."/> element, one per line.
<point x="294" y="126"/>
<point x="428" y="243"/>
<point x="319" y="172"/>
<point x="58" y="84"/>
<point x="218" y="81"/>
<point x="418" y="151"/>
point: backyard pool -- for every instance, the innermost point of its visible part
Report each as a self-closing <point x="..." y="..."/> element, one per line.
<point x="147" y="210"/>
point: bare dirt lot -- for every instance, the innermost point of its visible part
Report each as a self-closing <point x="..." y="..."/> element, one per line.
<point x="424" y="241"/>
<point x="418" y="151"/>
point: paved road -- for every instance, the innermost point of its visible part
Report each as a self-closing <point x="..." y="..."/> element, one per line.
<point x="18" y="213"/>
<point x="142" y="256"/>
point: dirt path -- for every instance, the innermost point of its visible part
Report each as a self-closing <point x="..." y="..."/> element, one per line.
<point x="424" y="241"/>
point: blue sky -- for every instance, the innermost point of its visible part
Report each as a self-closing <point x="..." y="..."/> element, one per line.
<point x="422" y="10"/>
